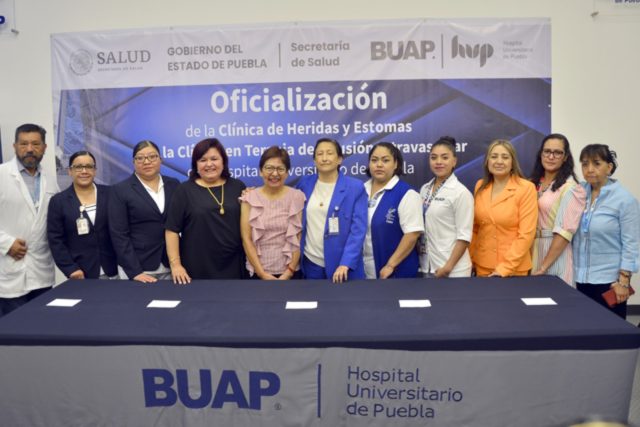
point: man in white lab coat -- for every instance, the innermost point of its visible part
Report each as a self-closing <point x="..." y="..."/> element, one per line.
<point x="26" y="265"/>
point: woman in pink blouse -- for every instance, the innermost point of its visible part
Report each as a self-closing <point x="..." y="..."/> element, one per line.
<point x="560" y="204"/>
<point x="271" y="221"/>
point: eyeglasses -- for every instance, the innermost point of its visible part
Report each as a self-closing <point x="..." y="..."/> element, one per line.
<point x="556" y="154"/>
<point x="272" y="169"/>
<point x="78" y="168"/>
<point x="151" y="158"/>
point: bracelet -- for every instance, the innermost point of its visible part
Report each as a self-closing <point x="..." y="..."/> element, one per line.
<point x="172" y="260"/>
<point x="291" y="269"/>
<point x="625" y="274"/>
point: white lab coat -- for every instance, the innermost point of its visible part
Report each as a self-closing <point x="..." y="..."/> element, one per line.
<point x="20" y="219"/>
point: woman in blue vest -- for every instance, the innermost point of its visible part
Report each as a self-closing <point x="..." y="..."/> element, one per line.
<point x="334" y="219"/>
<point x="395" y="217"/>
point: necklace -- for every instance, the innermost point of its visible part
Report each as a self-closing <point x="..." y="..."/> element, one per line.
<point x="542" y="187"/>
<point x="323" y="192"/>
<point x="216" y="199"/>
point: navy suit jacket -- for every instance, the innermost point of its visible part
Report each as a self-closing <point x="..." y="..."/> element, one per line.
<point x="137" y="225"/>
<point x="73" y="252"/>
<point x="349" y="204"/>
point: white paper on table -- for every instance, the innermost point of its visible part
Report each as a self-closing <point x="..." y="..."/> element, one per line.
<point x="538" y="301"/>
<point x="159" y="303"/>
<point x="414" y="303"/>
<point x="63" y="302"/>
<point x="301" y="305"/>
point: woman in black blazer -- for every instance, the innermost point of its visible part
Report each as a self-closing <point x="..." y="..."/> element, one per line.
<point x="77" y="224"/>
<point x="137" y="213"/>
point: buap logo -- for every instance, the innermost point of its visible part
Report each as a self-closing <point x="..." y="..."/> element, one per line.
<point x="401" y="50"/>
<point x="482" y="51"/>
<point x="162" y="388"/>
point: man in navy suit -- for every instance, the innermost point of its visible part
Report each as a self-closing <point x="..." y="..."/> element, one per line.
<point x="137" y="213"/>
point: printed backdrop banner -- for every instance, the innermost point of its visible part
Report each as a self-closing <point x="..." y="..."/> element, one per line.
<point x="171" y="386"/>
<point x="407" y="82"/>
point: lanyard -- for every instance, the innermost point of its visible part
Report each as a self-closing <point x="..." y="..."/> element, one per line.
<point x="585" y="222"/>
<point x="374" y="200"/>
<point x="431" y="195"/>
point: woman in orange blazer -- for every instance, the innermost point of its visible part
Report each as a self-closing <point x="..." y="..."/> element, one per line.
<point x="506" y="214"/>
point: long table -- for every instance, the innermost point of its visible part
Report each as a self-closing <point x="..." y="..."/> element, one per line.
<point x="232" y="353"/>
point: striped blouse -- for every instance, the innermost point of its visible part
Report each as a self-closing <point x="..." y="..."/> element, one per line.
<point x="559" y="212"/>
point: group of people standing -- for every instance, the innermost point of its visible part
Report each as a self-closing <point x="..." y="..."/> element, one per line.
<point x="330" y="226"/>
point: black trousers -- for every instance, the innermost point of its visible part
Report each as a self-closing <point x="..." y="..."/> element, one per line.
<point x="7" y="305"/>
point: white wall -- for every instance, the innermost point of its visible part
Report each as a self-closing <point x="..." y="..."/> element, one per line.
<point x="596" y="62"/>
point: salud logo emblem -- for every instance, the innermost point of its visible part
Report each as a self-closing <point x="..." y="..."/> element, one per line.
<point x="81" y="62"/>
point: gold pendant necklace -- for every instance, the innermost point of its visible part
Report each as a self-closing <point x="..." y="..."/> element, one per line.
<point x="216" y="199"/>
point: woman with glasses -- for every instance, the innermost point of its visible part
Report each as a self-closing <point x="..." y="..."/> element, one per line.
<point x="137" y="213"/>
<point x="271" y="220"/>
<point x="605" y="248"/>
<point x="203" y="225"/>
<point x="505" y="215"/>
<point x="395" y="217"/>
<point x="560" y="204"/>
<point x="78" y="224"/>
<point x="334" y="220"/>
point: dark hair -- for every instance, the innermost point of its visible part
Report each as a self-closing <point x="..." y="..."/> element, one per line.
<point x="275" y="152"/>
<point x="447" y="141"/>
<point x="200" y="149"/>
<point x="566" y="170"/>
<point x="333" y="141"/>
<point x="395" y="153"/>
<point x="601" y="151"/>
<point x="78" y="154"/>
<point x="28" y="128"/>
<point x="144" y="144"/>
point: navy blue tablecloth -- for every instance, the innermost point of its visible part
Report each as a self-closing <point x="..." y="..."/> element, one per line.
<point x="466" y="314"/>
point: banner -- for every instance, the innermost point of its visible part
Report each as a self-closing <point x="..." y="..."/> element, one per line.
<point x="406" y="82"/>
<point x="171" y="385"/>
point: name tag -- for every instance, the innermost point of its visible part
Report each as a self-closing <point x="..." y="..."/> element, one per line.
<point x="334" y="225"/>
<point x="83" y="226"/>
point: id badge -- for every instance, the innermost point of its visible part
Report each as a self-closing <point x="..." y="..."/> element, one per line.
<point x="83" y="226"/>
<point x="334" y="225"/>
<point x="422" y="245"/>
